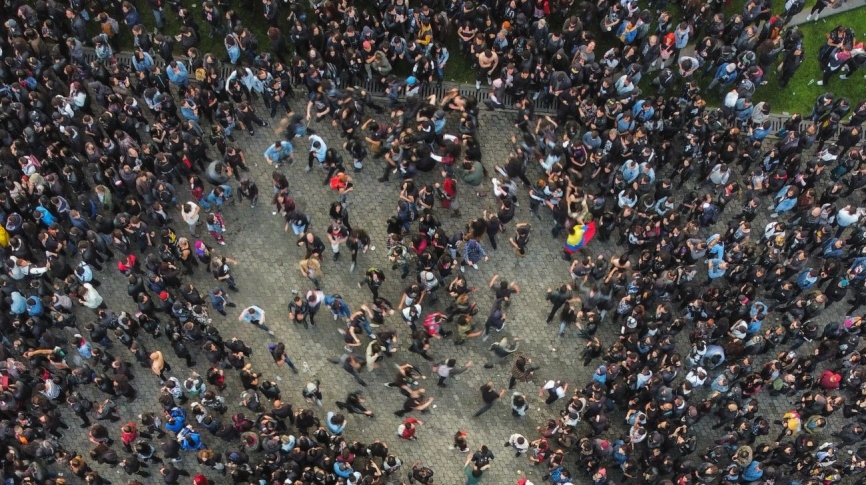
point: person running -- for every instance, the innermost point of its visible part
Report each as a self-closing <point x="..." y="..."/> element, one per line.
<point x="489" y="396"/>
<point x="256" y="316"/>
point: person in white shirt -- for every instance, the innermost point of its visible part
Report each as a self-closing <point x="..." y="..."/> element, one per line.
<point x="20" y="268"/>
<point x="315" y="298"/>
<point x="91" y="298"/>
<point x="256" y="316"/>
<point x="847" y="216"/>
<point x="519" y="443"/>
<point x="190" y="212"/>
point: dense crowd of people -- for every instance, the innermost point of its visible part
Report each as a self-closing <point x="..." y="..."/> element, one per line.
<point x="101" y="161"/>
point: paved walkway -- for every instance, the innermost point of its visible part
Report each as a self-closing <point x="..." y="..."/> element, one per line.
<point x="800" y="18"/>
<point x="267" y="272"/>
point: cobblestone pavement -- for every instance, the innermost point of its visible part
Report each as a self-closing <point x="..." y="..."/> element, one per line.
<point x="267" y="272"/>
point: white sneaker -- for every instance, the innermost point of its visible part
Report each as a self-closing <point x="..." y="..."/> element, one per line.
<point x="463" y="269"/>
<point x="809" y="17"/>
<point x="348" y="349"/>
<point x="351" y="267"/>
<point x="820" y="83"/>
<point x="335" y="316"/>
<point x="843" y="76"/>
<point x="372" y="336"/>
<point x="474" y="266"/>
<point x="273" y="213"/>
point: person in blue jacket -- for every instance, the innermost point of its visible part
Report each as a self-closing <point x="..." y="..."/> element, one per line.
<point x="177" y="74"/>
<point x="34" y="306"/>
<point x="190" y="440"/>
<point x="142" y="61"/>
<point x="726" y="74"/>
<point x="336" y="423"/>
<point x="339" y="308"/>
<point x="176" y="421"/>
<point x="343" y="469"/>
<point x="753" y="472"/>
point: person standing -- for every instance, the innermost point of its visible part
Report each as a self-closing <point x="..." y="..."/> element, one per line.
<point x="819" y="7"/>
<point x="219" y="300"/>
<point x="318" y="150"/>
<point x="489" y="395"/>
<point x="222" y="271"/>
<point x="557" y="299"/>
<point x="473" y="474"/>
<point x="256" y="316"/>
<point x="312" y="269"/>
<point x="89" y="297"/>
<point x="191" y="212"/>
<point x="337" y="235"/>
<point x="519" y="443"/>
<point x="158" y="365"/>
<point x="521" y="238"/>
<point x="374" y="279"/>
<point x="447" y="192"/>
<point x="473" y="252"/>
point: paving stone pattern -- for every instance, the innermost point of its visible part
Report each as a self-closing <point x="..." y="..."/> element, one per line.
<point x="267" y="272"/>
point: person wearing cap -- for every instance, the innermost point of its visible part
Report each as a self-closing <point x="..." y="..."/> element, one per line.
<point x="413" y="87"/>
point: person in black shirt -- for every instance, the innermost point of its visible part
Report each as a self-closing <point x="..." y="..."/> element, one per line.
<point x="557" y="299"/>
<point x="313" y="245"/>
<point x="222" y="272"/>
<point x="481" y="458"/>
<point x="415" y="402"/>
<point x="489" y="396"/>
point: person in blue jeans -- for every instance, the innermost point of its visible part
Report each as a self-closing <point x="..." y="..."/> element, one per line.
<point x="278" y="352"/>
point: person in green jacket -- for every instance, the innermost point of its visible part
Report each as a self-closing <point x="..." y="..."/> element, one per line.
<point x="473" y="475"/>
<point x="471" y="173"/>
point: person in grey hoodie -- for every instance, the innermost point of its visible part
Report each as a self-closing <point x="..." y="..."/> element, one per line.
<point x="500" y="351"/>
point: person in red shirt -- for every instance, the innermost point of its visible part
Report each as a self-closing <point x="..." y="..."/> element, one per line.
<point x="829" y="380"/>
<point x="448" y="194"/>
<point x="128" y="433"/>
<point x="407" y="430"/>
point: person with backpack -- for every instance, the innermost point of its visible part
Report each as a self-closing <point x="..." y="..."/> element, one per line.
<point x="833" y="62"/>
